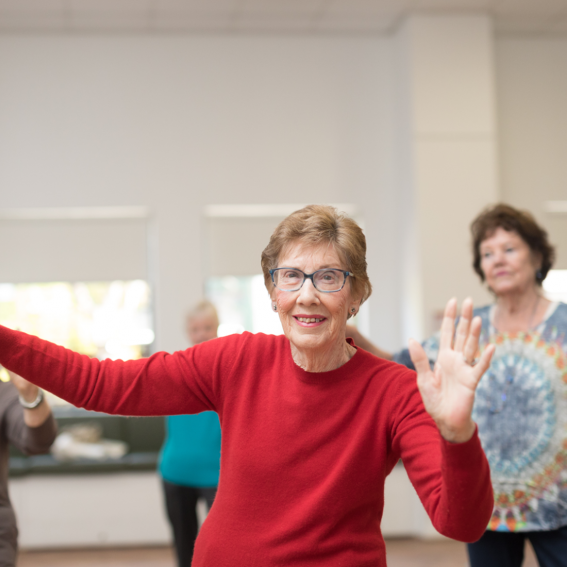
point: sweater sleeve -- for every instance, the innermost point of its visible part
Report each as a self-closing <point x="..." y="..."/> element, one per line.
<point x="29" y="440"/>
<point x="451" y="479"/>
<point x="163" y="384"/>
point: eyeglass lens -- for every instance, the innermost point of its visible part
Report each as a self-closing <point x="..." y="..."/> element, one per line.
<point x="324" y="280"/>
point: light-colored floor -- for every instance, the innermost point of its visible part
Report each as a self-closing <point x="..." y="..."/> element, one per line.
<point x="401" y="553"/>
<point x="146" y="557"/>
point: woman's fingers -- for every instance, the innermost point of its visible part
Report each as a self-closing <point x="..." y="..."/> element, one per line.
<point x="471" y="344"/>
<point x="418" y="357"/>
<point x="482" y="366"/>
<point x="462" y="333"/>
<point x="448" y="325"/>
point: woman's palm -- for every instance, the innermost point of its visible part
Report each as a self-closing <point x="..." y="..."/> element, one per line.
<point x="448" y="390"/>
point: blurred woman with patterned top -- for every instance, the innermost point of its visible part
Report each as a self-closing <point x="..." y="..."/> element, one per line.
<point x="521" y="403"/>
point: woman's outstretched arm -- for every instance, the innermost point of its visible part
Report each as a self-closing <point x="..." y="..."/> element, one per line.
<point x="163" y="384"/>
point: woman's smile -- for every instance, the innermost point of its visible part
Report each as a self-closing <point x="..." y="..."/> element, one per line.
<point x="309" y="320"/>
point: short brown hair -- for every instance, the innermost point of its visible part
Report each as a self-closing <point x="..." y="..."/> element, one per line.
<point x="313" y="225"/>
<point x="511" y="219"/>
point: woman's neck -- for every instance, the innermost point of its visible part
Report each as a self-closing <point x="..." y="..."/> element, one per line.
<point x="323" y="360"/>
<point x="520" y="311"/>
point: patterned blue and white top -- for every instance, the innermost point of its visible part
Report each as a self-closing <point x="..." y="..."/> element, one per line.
<point x="521" y="412"/>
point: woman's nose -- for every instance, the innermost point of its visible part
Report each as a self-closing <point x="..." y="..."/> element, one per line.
<point x="498" y="258"/>
<point x="307" y="293"/>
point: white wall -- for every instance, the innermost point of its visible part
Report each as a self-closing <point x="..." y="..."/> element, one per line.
<point x="176" y="123"/>
<point x="127" y="509"/>
<point x="179" y="123"/>
<point x="532" y="110"/>
<point x="90" y="510"/>
<point x="446" y="67"/>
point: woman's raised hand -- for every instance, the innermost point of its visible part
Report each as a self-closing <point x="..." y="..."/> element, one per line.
<point x="448" y="390"/>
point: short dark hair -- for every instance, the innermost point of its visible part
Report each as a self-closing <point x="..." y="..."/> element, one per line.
<point x="511" y="219"/>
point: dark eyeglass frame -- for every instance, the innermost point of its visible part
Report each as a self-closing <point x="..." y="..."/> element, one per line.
<point x="310" y="277"/>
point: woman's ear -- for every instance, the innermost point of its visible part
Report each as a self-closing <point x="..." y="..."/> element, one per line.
<point x="354" y="308"/>
<point x="537" y="261"/>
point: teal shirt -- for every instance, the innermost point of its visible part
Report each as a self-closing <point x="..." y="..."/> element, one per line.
<point x="190" y="455"/>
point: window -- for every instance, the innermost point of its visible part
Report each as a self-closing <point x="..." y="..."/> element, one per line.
<point x="555" y="285"/>
<point x="243" y="304"/>
<point x="101" y="319"/>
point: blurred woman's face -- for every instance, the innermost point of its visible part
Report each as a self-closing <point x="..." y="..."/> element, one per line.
<point x="507" y="262"/>
<point x="201" y="328"/>
<point x="313" y="320"/>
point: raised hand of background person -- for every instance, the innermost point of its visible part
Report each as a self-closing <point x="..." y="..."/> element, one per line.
<point x="448" y="390"/>
<point x="26" y="389"/>
<point x="29" y="392"/>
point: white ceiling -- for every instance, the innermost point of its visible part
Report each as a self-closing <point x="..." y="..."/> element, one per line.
<point x="541" y="17"/>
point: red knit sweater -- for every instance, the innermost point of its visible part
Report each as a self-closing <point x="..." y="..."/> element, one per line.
<point x="304" y="455"/>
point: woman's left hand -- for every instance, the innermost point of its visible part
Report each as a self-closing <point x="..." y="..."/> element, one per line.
<point x="448" y="390"/>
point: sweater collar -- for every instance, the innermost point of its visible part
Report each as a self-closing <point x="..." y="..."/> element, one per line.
<point x="345" y="371"/>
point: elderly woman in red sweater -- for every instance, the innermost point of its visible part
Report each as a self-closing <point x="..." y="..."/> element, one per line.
<point x="311" y="424"/>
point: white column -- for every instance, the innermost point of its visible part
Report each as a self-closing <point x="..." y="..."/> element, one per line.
<point x="447" y="173"/>
<point x="447" y="157"/>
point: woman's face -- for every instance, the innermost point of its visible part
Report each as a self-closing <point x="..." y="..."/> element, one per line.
<point x="507" y="262"/>
<point x="201" y="327"/>
<point x="295" y="308"/>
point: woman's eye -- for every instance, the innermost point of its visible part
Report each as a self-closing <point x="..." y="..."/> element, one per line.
<point x="329" y="277"/>
<point x="291" y="275"/>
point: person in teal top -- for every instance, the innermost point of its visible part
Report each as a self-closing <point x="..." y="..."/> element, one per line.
<point x="191" y="453"/>
<point x="189" y="461"/>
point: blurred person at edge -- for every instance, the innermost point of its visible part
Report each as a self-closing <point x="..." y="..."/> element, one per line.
<point x="311" y="425"/>
<point x="190" y="457"/>
<point x="521" y="403"/>
<point x="26" y="422"/>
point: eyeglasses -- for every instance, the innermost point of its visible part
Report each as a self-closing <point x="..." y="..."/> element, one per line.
<point x="326" y="281"/>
